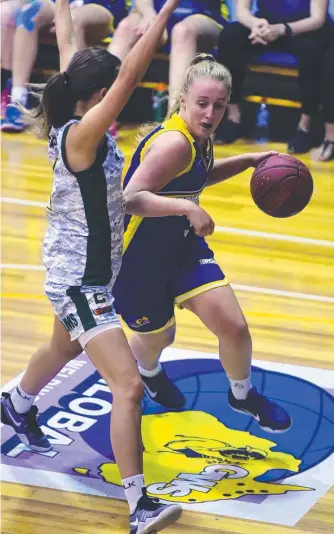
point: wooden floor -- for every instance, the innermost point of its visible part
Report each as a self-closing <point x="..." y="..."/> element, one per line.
<point x="283" y="285"/>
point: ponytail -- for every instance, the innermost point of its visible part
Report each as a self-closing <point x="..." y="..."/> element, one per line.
<point x="90" y="70"/>
<point x="56" y="105"/>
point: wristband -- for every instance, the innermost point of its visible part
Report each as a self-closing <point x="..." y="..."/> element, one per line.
<point x="288" y="30"/>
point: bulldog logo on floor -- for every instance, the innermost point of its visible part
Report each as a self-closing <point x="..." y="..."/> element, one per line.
<point x="191" y="457"/>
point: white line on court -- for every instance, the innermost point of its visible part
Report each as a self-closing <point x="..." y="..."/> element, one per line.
<point x="22" y="202"/>
<point x="237" y="287"/>
<point x="275" y="237"/>
<point x="221" y="229"/>
<point x="22" y="266"/>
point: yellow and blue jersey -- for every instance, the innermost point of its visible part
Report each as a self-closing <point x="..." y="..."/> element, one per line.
<point x="164" y="261"/>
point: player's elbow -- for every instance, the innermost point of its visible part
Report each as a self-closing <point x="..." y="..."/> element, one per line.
<point x="132" y="202"/>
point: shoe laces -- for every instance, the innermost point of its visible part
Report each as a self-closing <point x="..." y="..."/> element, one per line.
<point x="268" y="405"/>
<point x="149" y="503"/>
<point x="32" y="422"/>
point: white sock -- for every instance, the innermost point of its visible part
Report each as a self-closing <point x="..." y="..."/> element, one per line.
<point x="133" y="488"/>
<point x="240" y="388"/>
<point x="22" y="402"/>
<point x="147" y="373"/>
<point x="19" y="95"/>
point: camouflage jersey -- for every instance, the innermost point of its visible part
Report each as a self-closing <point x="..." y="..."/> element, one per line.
<point x="84" y="239"/>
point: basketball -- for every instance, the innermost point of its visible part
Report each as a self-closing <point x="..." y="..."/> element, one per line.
<point x="281" y="186"/>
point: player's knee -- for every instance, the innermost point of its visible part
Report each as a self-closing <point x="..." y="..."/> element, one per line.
<point x="130" y="390"/>
<point x="163" y="339"/>
<point x="235" y="329"/>
<point x="169" y="337"/>
<point x="65" y="353"/>
<point x="238" y="330"/>
<point x="182" y="34"/>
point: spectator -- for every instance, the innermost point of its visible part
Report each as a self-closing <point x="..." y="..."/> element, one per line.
<point x="296" y="27"/>
<point x="9" y="9"/>
<point x="92" y="20"/>
<point x="194" y="27"/>
<point x="326" y="150"/>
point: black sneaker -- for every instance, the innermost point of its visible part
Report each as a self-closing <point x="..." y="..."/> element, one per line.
<point x="270" y="416"/>
<point x="163" y="391"/>
<point x="300" y="143"/>
<point x="150" y="516"/>
<point x="25" y="425"/>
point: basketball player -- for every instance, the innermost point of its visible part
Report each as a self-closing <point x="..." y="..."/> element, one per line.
<point x="83" y="250"/>
<point x="166" y="258"/>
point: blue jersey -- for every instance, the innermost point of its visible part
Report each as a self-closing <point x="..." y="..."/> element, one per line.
<point x="277" y="11"/>
<point x="164" y="261"/>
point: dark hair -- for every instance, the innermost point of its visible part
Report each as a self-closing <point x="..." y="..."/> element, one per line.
<point x="90" y="69"/>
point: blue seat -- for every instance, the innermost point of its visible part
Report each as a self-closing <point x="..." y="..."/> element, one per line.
<point x="275" y="59"/>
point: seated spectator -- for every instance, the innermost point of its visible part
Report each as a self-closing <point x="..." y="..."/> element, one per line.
<point x="9" y="9"/>
<point x="326" y="150"/>
<point x="194" y="27"/>
<point x="93" y="20"/>
<point x="296" y="27"/>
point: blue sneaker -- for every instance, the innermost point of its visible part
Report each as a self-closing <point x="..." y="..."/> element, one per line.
<point x="163" y="391"/>
<point x="25" y="425"/>
<point x="151" y="516"/>
<point x="12" y="121"/>
<point x="270" y="416"/>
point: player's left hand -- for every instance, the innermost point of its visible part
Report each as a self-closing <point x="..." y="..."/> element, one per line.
<point x="257" y="157"/>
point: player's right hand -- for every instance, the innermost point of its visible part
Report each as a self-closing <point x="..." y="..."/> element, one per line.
<point x="201" y="221"/>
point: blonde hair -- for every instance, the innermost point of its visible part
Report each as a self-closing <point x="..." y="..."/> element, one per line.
<point x="202" y="66"/>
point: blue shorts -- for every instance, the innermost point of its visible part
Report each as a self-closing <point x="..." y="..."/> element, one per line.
<point x="149" y="285"/>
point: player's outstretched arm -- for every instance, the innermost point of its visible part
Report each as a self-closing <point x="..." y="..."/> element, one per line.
<point x="98" y="119"/>
<point x="65" y="33"/>
<point x="228" y="167"/>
